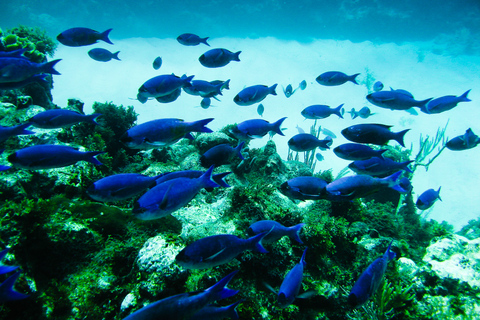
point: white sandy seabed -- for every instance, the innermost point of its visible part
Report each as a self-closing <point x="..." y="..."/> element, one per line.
<point x="268" y="61"/>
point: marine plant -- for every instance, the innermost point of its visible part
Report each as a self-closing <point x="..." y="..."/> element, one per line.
<point x="427" y="146"/>
<point x="35" y="40"/>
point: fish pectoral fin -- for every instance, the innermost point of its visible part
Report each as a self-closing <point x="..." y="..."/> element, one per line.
<point x="269" y="287"/>
<point x="373" y="165"/>
<point x="307" y="294"/>
<point x="153" y="143"/>
<point x="164" y="203"/>
<point x="213" y="256"/>
<point x="7" y="71"/>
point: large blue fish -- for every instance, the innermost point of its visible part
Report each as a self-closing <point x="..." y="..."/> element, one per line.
<point x="275" y="231"/>
<point x="378" y="167"/>
<point x="103" y="55"/>
<point x="395" y="100"/>
<point x="319" y="111"/>
<point x="377" y="86"/>
<point x="193" y="174"/>
<point x="355" y="151"/>
<point x="171" y="195"/>
<point x="183" y="306"/>
<point x="217" y="58"/>
<point x="7" y="132"/>
<point x="368" y="283"/>
<point x="7" y="293"/>
<point x="163" y="86"/>
<point x="292" y="283"/>
<point x="304" y="188"/>
<point x="444" y="103"/>
<point x="221" y="154"/>
<point x="428" y="198"/>
<point x="216" y="250"/>
<point x="14" y="69"/>
<point x="466" y="141"/>
<point x="190" y="39"/>
<point x="48" y="156"/>
<point x="304" y="142"/>
<point x="373" y="133"/>
<point x="212" y="312"/>
<point x="335" y="78"/>
<point x="61" y="118"/>
<point x="359" y="186"/>
<point x="256" y="128"/>
<point x="120" y="187"/>
<point x="78" y="37"/>
<point x="254" y="94"/>
<point x="162" y="132"/>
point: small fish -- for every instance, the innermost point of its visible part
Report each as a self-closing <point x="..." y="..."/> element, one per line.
<point x="305" y="142"/>
<point x="169" y="196"/>
<point x="4" y="268"/>
<point x="162" y="132"/>
<point x="120" y="187"/>
<point x="428" y="198"/>
<point x="373" y="133"/>
<point x="318" y="111"/>
<point x="212" y="312"/>
<point x="162" y="86"/>
<point x="395" y="100"/>
<point x="302" y="85"/>
<point x="369" y="281"/>
<point x="444" y="103"/>
<point x="327" y="132"/>
<point x="275" y="231"/>
<point x="190" y="39"/>
<point x="290" y="287"/>
<point x="157" y="63"/>
<point x="319" y="156"/>
<point x="363" y="113"/>
<point x="61" y="118"/>
<point x="48" y="156"/>
<point x="335" y="78"/>
<point x="256" y="128"/>
<point x="217" y="58"/>
<point x="305" y="188"/>
<point x="355" y="151"/>
<point x="185" y="305"/>
<point x="254" y="94"/>
<point x="103" y="55"/>
<point x="260" y="109"/>
<point x="21" y="129"/>
<point x="377" y="86"/>
<point x="378" y="167"/>
<point x="205" y="103"/>
<point x="221" y="154"/>
<point x="464" y="142"/>
<point x="78" y="37"/>
<point x="288" y="91"/>
<point x="300" y="130"/>
<point x="216" y="250"/>
<point x="20" y="69"/>
<point x="7" y="293"/>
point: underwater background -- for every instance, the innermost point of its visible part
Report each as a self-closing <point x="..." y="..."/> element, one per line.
<point x="82" y="259"/>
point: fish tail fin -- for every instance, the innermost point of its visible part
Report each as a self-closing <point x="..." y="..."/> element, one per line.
<point x="463" y="97"/>
<point x="438" y="194"/>
<point x="302" y="260"/>
<point x="231" y="310"/>
<point x="296" y="232"/>
<point x="256" y="242"/>
<point x="199" y="126"/>
<point x="380" y="153"/>
<point x="393" y="181"/>
<point x="390" y="254"/>
<point x="93" y="117"/>
<point x="6" y="289"/>
<point x="187" y="80"/>
<point x="115" y="56"/>
<point x="339" y="111"/>
<point x="220" y="291"/>
<point x="238" y="149"/>
<point x="207" y="180"/>
<point x="226" y="85"/>
<point x="218" y="178"/>
<point x="271" y="90"/>
<point x="21" y="129"/>
<point x="91" y="157"/>
<point x="276" y="126"/>
<point x="399" y="137"/>
<point x="204" y="41"/>
<point x="104" y="36"/>
<point x="236" y="56"/>
<point x="48" y="67"/>
<point x="353" y="77"/>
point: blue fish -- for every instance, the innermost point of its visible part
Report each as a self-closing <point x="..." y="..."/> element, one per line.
<point x="256" y="128"/>
<point x="288" y="91"/>
<point x="78" y="37"/>
<point x="305" y="188"/>
<point x="190" y="39"/>
<point x="163" y="85"/>
<point x="157" y="63"/>
<point x="378" y="167"/>
<point x="193" y="174"/>
<point x="4" y="268"/>
<point x="120" y="187"/>
<point x="305" y="142"/>
<point x="171" y="195"/>
<point x="221" y="154"/>
<point x="395" y="100"/>
<point x="369" y="281"/>
<point x="302" y="85"/>
<point x="444" y="103"/>
<point x="275" y="231"/>
<point x="162" y="132"/>
<point x="61" y="118"/>
<point x="377" y="86"/>
<point x="355" y="151"/>
<point x="363" y="113"/>
<point x="292" y="283"/>
<point x="358" y="186"/>
<point x="39" y="78"/>
<point x="318" y="111"/>
<point x="335" y="78"/>
<point x="260" y="109"/>
<point x="48" y="156"/>
<point x="7" y="293"/>
<point x="205" y="89"/>
<point x="466" y="141"/>
<point x="319" y="157"/>
<point x="205" y="103"/>
<point x="428" y="198"/>
<point x="216" y="250"/>
<point x="254" y="94"/>
<point x="103" y="55"/>
<point x="7" y="132"/>
<point x="217" y="58"/>
<point x="183" y="306"/>
<point x="211" y="312"/>
<point x="14" y="69"/>
<point x="373" y="133"/>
